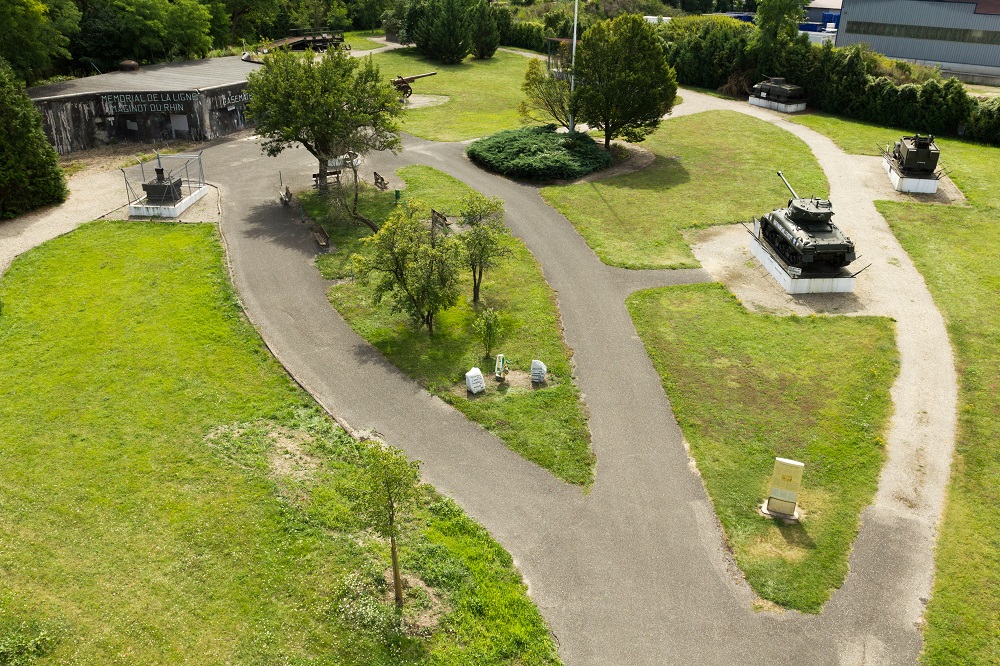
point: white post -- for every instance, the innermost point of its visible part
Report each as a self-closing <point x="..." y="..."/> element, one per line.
<point x="572" y="67"/>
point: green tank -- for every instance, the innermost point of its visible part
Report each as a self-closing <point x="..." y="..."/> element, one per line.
<point x="804" y="236"/>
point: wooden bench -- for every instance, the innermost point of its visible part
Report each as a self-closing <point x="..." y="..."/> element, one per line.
<point x="322" y="238"/>
<point x="381" y="182"/>
<point x="335" y="174"/>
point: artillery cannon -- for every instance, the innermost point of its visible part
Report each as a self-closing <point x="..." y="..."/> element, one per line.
<point x="804" y="236"/>
<point x="402" y="83"/>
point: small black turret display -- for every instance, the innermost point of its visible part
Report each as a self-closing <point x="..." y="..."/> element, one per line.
<point x="916" y="155"/>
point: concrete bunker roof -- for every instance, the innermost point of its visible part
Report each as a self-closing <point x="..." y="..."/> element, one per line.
<point x="169" y="76"/>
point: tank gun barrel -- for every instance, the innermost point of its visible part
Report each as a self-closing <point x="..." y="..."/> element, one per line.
<point x="790" y="189"/>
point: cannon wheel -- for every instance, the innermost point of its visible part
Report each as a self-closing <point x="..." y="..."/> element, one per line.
<point x="407" y="91"/>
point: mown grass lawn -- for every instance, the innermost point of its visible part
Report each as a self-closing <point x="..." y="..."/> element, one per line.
<point x="483" y="94"/>
<point x="711" y="168"/>
<point x="169" y="496"/>
<point x="546" y="425"/>
<point x="956" y="250"/>
<point x="747" y="388"/>
<point x="359" y="42"/>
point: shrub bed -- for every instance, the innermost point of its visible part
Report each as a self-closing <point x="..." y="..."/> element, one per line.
<point x="539" y="153"/>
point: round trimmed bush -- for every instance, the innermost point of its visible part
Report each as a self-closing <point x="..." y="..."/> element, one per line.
<point x="539" y="153"/>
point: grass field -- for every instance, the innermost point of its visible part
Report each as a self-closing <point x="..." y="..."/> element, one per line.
<point x="483" y="94"/>
<point x="746" y="388"/>
<point x="956" y="250"/>
<point x="169" y="496"/>
<point x="547" y="426"/>
<point x="359" y="42"/>
<point x="711" y="168"/>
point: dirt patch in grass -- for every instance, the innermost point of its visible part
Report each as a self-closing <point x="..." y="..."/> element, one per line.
<point x="424" y="101"/>
<point x="423" y="608"/>
<point x="516" y="379"/>
<point x="288" y="458"/>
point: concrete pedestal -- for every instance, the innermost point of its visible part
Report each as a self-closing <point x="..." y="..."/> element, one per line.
<point x="903" y="183"/>
<point x="801" y="284"/>
<point x="778" y="106"/>
<point x="140" y="207"/>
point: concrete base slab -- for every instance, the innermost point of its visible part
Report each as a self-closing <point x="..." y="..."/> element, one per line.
<point x="789" y="520"/>
<point x="140" y="209"/>
<point x="777" y="106"/>
<point x="799" y="284"/>
<point x="903" y="183"/>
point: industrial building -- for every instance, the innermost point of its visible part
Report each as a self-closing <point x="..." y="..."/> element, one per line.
<point x="963" y="38"/>
<point x="195" y="99"/>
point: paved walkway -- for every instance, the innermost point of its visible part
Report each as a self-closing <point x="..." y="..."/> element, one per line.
<point x="634" y="572"/>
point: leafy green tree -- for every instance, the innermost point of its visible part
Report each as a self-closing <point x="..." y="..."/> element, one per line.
<point x="412" y="264"/>
<point x="485" y="241"/>
<point x="484" y="31"/>
<point x="546" y="97"/>
<point x="29" y="166"/>
<point x="489" y="328"/>
<point x="34" y="35"/>
<point x="625" y="83"/>
<point x="778" y="20"/>
<point x="187" y="29"/>
<point x="248" y="16"/>
<point x="443" y="33"/>
<point x="388" y="486"/>
<point x="334" y="106"/>
<point x="320" y="14"/>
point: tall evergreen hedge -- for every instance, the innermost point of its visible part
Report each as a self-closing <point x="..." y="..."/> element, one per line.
<point x="30" y="176"/>
<point x="717" y="52"/>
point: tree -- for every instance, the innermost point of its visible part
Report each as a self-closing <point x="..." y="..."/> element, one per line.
<point x="484" y="241"/>
<point x="414" y="265"/>
<point x="334" y="106"/>
<point x="29" y="166"/>
<point x="388" y="486"/>
<point x="187" y="29"/>
<point x="484" y="31"/>
<point x="778" y="20"/>
<point x="546" y="97"/>
<point x="625" y="83"/>
<point x="489" y="328"/>
<point x="33" y="34"/>
<point x="443" y="32"/>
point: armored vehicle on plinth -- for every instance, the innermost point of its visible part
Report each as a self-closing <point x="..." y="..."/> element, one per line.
<point x="916" y="155"/>
<point x="912" y="164"/>
<point x="804" y="236"/>
<point x="779" y="95"/>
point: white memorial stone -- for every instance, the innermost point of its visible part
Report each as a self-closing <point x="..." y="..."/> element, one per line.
<point x="538" y="371"/>
<point x="474" y="381"/>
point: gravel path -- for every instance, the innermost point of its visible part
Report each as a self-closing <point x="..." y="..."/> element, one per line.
<point x="634" y="572"/>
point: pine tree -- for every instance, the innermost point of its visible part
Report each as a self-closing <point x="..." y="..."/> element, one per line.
<point x="485" y="33"/>
<point x="448" y="31"/>
<point x="29" y="166"/>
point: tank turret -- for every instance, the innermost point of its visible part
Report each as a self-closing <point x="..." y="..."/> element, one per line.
<point x="916" y="155"/>
<point x="804" y="236"/>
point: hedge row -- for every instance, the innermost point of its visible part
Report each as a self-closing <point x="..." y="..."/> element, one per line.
<point x="719" y="52"/>
<point x="522" y="34"/>
<point x="539" y="153"/>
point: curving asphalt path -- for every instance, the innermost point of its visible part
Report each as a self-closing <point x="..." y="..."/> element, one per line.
<point x="634" y="572"/>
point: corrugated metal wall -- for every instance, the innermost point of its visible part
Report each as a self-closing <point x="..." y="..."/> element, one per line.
<point x="922" y="12"/>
